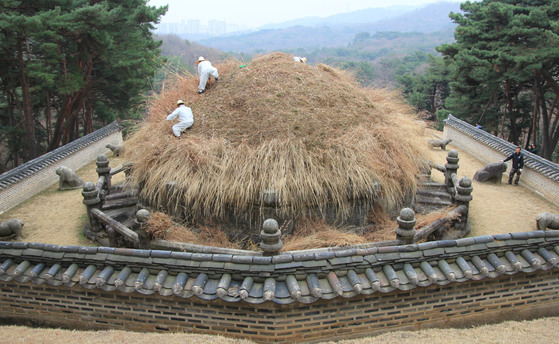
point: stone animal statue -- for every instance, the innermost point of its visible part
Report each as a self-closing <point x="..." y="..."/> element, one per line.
<point x="11" y="227"/>
<point x="117" y="150"/>
<point x="491" y="172"/>
<point x="439" y="143"/>
<point x="68" y="179"/>
<point x="547" y="220"/>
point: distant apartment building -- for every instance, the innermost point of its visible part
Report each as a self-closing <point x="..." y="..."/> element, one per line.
<point x="195" y="26"/>
<point x="217" y="27"/>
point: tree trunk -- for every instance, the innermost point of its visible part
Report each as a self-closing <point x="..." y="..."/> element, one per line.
<point x="64" y="121"/>
<point x="13" y="123"/>
<point x="547" y="150"/>
<point x="88" y="122"/>
<point x="535" y="116"/>
<point x="28" y="123"/>
<point x="513" y="136"/>
<point x="47" y="118"/>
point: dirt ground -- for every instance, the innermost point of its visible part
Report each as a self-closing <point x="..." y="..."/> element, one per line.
<point x="510" y="332"/>
<point x="494" y="209"/>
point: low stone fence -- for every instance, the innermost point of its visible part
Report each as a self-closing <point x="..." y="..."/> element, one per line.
<point x="290" y="297"/>
<point x="25" y="181"/>
<point x="539" y="175"/>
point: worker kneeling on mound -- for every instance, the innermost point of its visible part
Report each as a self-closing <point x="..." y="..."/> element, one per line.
<point x="205" y="70"/>
<point x="186" y="119"/>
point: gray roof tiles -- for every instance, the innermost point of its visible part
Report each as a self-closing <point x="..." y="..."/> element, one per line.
<point x="304" y="276"/>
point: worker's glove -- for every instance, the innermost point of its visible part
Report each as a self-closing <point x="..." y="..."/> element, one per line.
<point x="519" y="170"/>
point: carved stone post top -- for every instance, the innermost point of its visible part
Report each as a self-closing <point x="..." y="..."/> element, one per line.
<point x="406" y="220"/>
<point x="464" y="190"/>
<point x="452" y="159"/>
<point x="142" y="216"/>
<point x="271" y="237"/>
<point x="102" y="163"/>
<point x="90" y="194"/>
<point x="102" y="160"/>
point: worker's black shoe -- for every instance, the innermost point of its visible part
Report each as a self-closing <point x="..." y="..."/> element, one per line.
<point x="200" y="91"/>
<point x="216" y="79"/>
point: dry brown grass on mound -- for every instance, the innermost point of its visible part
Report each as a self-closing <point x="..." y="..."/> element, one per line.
<point x="425" y="219"/>
<point x="308" y="132"/>
<point x="160" y="226"/>
<point x="315" y="233"/>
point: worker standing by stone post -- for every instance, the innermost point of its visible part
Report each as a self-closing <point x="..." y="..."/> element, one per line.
<point x="517" y="165"/>
<point x="205" y="70"/>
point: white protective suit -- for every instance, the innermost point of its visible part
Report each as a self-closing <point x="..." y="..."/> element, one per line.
<point x="205" y="70"/>
<point x="186" y="119"/>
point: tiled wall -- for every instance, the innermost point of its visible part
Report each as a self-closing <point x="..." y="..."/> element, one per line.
<point x="46" y="176"/>
<point x="520" y="296"/>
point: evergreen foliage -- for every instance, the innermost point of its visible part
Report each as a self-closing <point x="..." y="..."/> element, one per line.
<point x="505" y="67"/>
<point x="68" y="66"/>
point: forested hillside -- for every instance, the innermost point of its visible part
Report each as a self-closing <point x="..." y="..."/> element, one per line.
<point x="69" y="67"/>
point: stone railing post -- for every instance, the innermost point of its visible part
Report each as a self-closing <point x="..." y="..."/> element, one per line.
<point x="140" y="224"/>
<point x="104" y="170"/>
<point x="271" y="242"/>
<point x="451" y="169"/>
<point x="463" y="197"/>
<point x="92" y="201"/>
<point x="405" y="232"/>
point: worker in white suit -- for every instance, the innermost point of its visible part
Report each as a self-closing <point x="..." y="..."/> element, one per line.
<point x="186" y="119"/>
<point x="205" y="70"/>
<point x="300" y="59"/>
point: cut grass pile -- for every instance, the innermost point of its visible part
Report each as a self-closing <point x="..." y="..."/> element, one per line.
<point x="308" y="132"/>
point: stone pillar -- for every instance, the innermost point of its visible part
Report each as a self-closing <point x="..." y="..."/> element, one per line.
<point x="270" y="198"/>
<point x="104" y="170"/>
<point x="271" y="242"/>
<point x="406" y="222"/>
<point x="140" y="226"/>
<point x="451" y="167"/>
<point x="463" y="197"/>
<point x="92" y="201"/>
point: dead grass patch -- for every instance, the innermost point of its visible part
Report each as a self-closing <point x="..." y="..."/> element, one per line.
<point x="425" y="219"/>
<point x="161" y="226"/>
<point x="315" y="233"/>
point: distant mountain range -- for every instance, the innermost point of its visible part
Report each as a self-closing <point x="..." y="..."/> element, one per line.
<point x="338" y="30"/>
<point x="361" y="16"/>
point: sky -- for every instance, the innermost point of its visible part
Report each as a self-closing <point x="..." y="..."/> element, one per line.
<point x="255" y="13"/>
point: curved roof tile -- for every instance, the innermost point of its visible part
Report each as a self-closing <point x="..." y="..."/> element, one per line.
<point x="286" y="278"/>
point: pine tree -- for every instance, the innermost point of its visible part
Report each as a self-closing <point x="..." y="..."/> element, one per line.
<point x="506" y="56"/>
<point x="74" y="63"/>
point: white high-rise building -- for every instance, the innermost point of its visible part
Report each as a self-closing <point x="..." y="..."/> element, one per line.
<point x="193" y="26"/>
